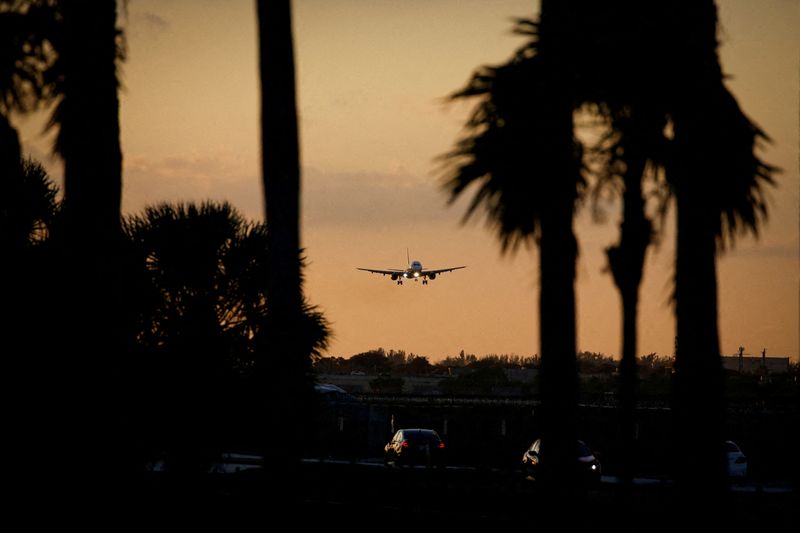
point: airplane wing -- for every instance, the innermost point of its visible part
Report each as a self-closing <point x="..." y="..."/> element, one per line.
<point x="440" y="270"/>
<point x="387" y="272"/>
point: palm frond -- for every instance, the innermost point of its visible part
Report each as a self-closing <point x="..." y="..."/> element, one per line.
<point x="25" y="55"/>
<point x="508" y="153"/>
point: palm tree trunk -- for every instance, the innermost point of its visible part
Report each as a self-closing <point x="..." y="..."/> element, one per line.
<point x="88" y="138"/>
<point x="699" y="404"/>
<point x="88" y="141"/>
<point x="280" y="157"/>
<point x="626" y="261"/>
<point x="281" y="176"/>
<point x="558" y="250"/>
<point x="558" y="381"/>
<point x="628" y="381"/>
<point x="698" y="156"/>
<point x="10" y="172"/>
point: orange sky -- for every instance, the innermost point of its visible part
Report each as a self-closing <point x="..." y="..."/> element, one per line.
<point x="372" y="76"/>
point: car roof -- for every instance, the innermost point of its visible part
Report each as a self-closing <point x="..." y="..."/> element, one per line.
<point x="731" y="446"/>
<point x="419" y="431"/>
<point x="579" y="441"/>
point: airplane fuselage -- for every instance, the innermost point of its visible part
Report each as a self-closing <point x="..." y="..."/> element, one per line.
<point x="413" y="271"/>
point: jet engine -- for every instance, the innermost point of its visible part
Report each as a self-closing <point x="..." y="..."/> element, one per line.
<point x="394" y="277"/>
<point x="431" y="276"/>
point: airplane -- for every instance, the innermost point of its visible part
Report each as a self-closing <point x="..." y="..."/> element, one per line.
<point x="414" y="271"/>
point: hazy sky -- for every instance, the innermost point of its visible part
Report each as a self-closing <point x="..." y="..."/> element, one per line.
<point x="372" y="77"/>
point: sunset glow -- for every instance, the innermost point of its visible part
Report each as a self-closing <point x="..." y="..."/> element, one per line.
<point x="372" y="80"/>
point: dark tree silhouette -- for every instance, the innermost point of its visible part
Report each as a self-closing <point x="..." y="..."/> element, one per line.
<point x="622" y="79"/>
<point x="287" y="351"/>
<point x="633" y="78"/>
<point x="374" y="361"/>
<point x="11" y="182"/>
<point x="718" y="183"/>
<point x="28" y="208"/>
<point x="87" y="46"/>
<point x="25" y="55"/>
<point x="654" y="68"/>
<point x="280" y="156"/>
<point x="23" y="64"/>
<point x="626" y="263"/>
<point x="662" y="73"/>
<point x="521" y="152"/>
<point x="199" y="293"/>
<point x="87" y="119"/>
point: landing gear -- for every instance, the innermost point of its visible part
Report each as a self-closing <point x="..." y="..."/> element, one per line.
<point x="399" y="281"/>
<point x="424" y="281"/>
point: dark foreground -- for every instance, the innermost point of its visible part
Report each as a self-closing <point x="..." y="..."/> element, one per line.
<point x="358" y="497"/>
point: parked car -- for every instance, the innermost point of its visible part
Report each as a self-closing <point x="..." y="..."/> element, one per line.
<point x="415" y="447"/>
<point x="737" y="461"/>
<point x="586" y="463"/>
<point x="224" y="463"/>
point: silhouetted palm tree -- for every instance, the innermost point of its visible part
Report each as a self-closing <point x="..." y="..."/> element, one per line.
<point x="10" y="179"/>
<point x="28" y="208"/>
<point x="23" y="62"/>
<point x="652" y="67"/>
<point x="622" y="78"/>
<point x="285" y="348"/>
<point x="87" y="121"/>
<point x="87" y="46"/>
<point x="26" y="201"/>
<point x="25" y="28"/>
<point x="629" y="158"/>
<point x="280" y="155"/>
<point x="668" y="74"/>
<point x="521" y="152"/>
<point x="182" y="354"/>
<point x="718" y="184"/>
<point x="199" y="293"/>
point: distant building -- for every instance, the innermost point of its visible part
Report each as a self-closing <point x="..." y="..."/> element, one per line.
<point x="755" y="364"/>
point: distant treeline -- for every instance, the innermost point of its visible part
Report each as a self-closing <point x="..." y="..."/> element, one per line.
<point x="398" y="362"/>
<point x="493" y="375"/>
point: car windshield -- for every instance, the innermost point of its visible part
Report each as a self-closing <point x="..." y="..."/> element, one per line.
<point x="583" y="450"/>
<point x="421" y="436"/>
<point x="731" y="447"/>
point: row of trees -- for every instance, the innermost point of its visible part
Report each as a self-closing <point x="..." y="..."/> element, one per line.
<point x="64" y="54"/>
<point x="649" y="77"/>
<point x="397" y="362"/>
<point x="505" y="360"/>
<point x="388" y="373"/>
<point x="73" y="294"/>
<point x="195" y="324"/>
